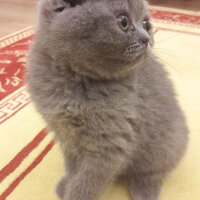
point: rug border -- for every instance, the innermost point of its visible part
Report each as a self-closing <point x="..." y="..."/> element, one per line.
<point x="16" y="36"/>
<point x="175" y="10"/>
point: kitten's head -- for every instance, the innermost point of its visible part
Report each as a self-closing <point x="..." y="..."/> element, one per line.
<point x="95" y="38"/>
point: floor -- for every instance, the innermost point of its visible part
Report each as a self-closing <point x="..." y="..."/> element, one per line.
<point x="19" y="14"/>
<point x="16" y="15"/>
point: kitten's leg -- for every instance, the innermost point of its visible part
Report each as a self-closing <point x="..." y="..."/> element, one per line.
<point x="60" y="187"/>
<point x="71" y="168"/>
<point x="145" y="187"/>
<point x="90" y="180"/>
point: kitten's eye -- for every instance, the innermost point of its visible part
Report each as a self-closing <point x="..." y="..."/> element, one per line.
<point x="123" y="22"/>
<point x="59" y="9"/>
<point x="146" y="25"/>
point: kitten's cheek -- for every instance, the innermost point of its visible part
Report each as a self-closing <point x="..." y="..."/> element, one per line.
<point x="149" y="49"/>
<point x="151" y="42"/>
<point x="147" y="52"/>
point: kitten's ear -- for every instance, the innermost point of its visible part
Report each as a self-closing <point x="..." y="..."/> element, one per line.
<point x="74" y="3"/>
<point x="48" y="8"/>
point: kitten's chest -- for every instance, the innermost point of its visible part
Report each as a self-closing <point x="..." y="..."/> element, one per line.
<point x="119" y="99"/>
<point x="134" y="101"/>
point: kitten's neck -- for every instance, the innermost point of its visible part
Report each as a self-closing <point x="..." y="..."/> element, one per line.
<point x="77" y="77"/>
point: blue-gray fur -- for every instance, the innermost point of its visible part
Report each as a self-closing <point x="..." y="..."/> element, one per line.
<point x="110" y="103"/>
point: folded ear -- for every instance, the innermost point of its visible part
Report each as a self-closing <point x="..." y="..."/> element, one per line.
<point x="47" y="8"/>
<point x="74" y="3"/>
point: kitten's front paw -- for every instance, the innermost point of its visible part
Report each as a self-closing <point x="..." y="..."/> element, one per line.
<point x="60" y="188"/>
<point x="145" y="188"/>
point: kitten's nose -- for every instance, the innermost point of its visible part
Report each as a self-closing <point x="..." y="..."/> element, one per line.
<point x="145" y="39"/>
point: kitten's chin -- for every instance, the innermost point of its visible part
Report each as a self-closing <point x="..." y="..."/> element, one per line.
<point x="138" y="56"/>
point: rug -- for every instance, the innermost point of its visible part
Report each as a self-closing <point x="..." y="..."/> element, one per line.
<point x="31" y="162"/>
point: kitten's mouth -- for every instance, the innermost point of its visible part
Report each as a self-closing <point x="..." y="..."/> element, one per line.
<point x="135" y="51"/>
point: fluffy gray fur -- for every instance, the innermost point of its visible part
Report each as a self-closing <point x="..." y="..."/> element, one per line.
<point x="110" y="103"/>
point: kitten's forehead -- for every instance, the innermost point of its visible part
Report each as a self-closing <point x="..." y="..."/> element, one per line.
<point x="137" y="5"/>
<point x="136" y="8"/>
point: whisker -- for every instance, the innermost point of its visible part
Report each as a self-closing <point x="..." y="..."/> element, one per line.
<point x="167" y="64"/>
<point x="167" y="54"/>
<point x="162" y="49"/>
<point x="167" y="39"/>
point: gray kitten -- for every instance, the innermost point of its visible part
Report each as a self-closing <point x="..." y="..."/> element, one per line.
<point x="112" y="107"/>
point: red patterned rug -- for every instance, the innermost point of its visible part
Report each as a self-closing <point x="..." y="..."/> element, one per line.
<point x="30" y="163"/>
